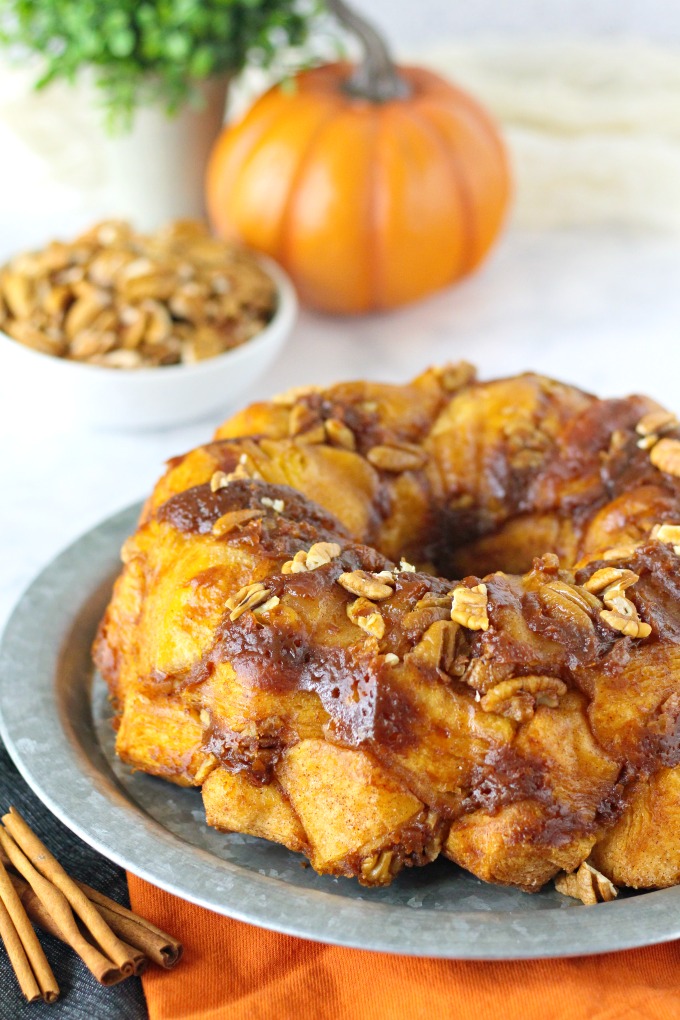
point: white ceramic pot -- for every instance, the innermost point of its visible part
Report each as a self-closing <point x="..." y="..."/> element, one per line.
<point x="156" y="171"/>
<point x="145" y="398"/>
<point x="64" y="171"/>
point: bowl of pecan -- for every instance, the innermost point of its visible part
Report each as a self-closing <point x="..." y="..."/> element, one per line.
<point x="128" y="330"/>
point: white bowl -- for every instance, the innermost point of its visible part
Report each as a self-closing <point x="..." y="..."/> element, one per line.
<point x="148" y="397"/>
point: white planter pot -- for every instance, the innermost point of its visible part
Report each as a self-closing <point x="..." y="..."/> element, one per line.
<point x="156" y="171"/>
<point x="64" y="171"/>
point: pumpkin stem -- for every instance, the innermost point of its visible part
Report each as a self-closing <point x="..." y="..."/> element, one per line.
<point x="376" y="77"/>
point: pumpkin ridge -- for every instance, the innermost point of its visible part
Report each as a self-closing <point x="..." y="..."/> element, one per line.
<point x="474" y="114"/>
<point x="460" y="186"/>
<point x="270" y="114"/>
<point x="427" y="90"/>
<point x="376" y="268"/>
<point x="304" y="160"/>
<point x="464" y="117"/>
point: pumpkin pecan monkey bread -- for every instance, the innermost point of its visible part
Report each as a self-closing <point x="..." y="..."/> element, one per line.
<point x="283" y="635"/>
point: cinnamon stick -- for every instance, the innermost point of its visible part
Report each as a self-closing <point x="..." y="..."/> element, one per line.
<point x="38" y="913"/>
<point x="23" y="948"/>
<point x="50" y="868"/>
<point x="156" y="944"/>
<point x="56" y="904"/>
<point x="17" y="956"/>
<point x="160" y="947"/>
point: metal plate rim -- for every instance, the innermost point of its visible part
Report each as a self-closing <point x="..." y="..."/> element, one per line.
<point x="91" y="804"/>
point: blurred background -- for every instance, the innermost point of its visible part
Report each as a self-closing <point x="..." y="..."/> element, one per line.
<point x="588" y="94"/>
<point x="582" y="283"/>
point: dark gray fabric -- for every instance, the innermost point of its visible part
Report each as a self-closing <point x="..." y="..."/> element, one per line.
<point x="82" y="998"/>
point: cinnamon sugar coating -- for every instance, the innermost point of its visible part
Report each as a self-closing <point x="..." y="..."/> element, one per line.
<point x="487" y="704"/>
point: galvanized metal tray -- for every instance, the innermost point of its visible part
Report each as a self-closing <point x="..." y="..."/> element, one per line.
<point x="56" y="723"/>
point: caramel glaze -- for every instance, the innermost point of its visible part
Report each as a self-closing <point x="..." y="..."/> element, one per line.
<point x="365" y="707"/>
<point x="586" y="465"/>
<point x="591" y="462"/>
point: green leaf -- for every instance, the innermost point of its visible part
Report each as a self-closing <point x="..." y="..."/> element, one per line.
<point x="177" y="46"/>
<point x="202" y="62"/>
<point x="154" y="51"/>
<point x="122" y="43"/>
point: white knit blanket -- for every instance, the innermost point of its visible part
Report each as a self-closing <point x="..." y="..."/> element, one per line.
<point x="593" y="127"/>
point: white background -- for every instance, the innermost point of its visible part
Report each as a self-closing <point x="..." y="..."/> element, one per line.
<point x="426" y="22"/>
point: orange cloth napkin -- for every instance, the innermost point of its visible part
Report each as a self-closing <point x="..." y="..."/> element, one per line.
<point x="235" y="971"/>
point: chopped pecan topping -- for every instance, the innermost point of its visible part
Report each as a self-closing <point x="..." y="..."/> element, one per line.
<point x="297" y="565"/>
<point x="318" y="555"/>
<point x="656" y="421"/>
<point x="483" y="674"/>
<point x="301" y="419"/>
<point x="567" y="601"/>
<point x="437" y="646"/>
<point x="219" y="480"/>
<point x="380" y="868"/>
<point x="365" y="614"/>
<point x="234" y="519"/>
<point x="617" y="553"/>
<point x="246" y="468"/>
<point x="405" y="567"/>
<point x="470" y="607"/>
<point x="277" y="505"/>
<point x="517" y="698"/>
<point x="321" y="553"/>
<point x="665" y="455"/>
<point x="248" y="597"/>
<point x="587" y="884"/>
<point x="397" y="457"/>
<point x="391" y="659"/>
<point x="266" y="606"/>
<point x="667" y="533"/>
<point x="371" y="586"/>
<point x="455" y="375"/>
<point x="339" y="434"/>
<point x="609" y="577"/>
<point x="623" y="616"/>
<point x="312" y="437"/>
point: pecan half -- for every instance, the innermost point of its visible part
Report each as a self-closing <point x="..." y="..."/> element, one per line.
<point x="318" y="555"/>
<point x="339" y="434"/>
<point x="517" y="698"/>
<point x="437" y="646"/>
<point x="397" y="457"/>
<point x="234" y="519"/>
<point x="587" y="884"/>
<point x="608" y="577"/>
<point x="565" y="601"/>
<point x="371" y="586"/>
<point x="667" y="533"/>
<point x="455" y="375"/>
<point x="656" y="421"/>
<point x="623" y="616"/>
<point x="248" y="597"/>
<point x="219" y="480"/>
<point x="665" y="455"/>
<point x="380" y="869"/>
<point x="470" y="607"/>
<point x="365" y="614"/>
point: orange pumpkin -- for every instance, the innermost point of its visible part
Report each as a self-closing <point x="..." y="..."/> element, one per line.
<point x="372" y="189"/>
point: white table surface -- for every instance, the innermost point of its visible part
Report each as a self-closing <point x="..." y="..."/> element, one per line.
<point x="598" y="309"/>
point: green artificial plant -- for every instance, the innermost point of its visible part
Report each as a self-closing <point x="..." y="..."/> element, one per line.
<point x="154" y="50"/>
